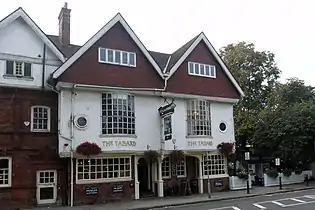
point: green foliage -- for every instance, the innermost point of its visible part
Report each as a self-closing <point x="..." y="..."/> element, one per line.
<point x="272" y="173"/>
<point x="287" y="172"/>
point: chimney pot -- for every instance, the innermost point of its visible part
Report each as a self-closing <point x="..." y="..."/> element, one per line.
<point x="64" y="25"/>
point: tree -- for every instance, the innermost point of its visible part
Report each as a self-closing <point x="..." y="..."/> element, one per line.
<point x="257" y="74"/>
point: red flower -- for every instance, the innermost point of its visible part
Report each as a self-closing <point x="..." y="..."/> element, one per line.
<point x="88" y="148"/>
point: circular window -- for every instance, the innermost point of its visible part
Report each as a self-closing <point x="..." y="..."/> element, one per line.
<point x="81" y="121"/>
<point x="222" y="126"/>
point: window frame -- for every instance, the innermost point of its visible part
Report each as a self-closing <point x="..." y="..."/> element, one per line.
<point x="189" y="121"/>
<point x="166" y="171"/>
<point x="132" y="118"/>
<point x="184" y="166"/>
<point x="121" y="52"/>
<point x="103" y="180"/>
<point x="14" y="74"/>
<point x="48" y="119"/>
<point x="193" y="73"/>
<point x="9" y="172"/>
<point x="205" y="176"/>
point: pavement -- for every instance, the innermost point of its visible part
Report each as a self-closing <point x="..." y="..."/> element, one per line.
<point x="298" y="200"/>
<point x="180" y="202"/>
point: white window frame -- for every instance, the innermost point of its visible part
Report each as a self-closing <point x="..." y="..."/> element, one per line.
<point x="9" y="172"/>
<point x="121" y="57"/>
<point x="204" y="159"/>
<point x="184" y="166"/>
<point x="103" y="180"/>
<point x="131" y="118"/>
<point x="193" y="112"/>
<point x="166" y="167"/>
<point x="212" y="68"/>
<point x="44" y="185"/>
<point x="48" y="120"/>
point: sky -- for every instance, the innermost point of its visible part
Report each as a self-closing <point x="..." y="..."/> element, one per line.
<point x="284" y="27"/>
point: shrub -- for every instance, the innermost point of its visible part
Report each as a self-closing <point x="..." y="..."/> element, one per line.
<point x="272" y="173"/>
<point x="287" y="172"/>
<point x="226" y="148"/>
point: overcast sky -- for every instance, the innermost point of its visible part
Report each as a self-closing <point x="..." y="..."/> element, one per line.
<point x="284" y="27"/>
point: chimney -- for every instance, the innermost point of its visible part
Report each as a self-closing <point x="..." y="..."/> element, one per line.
<point x="64" y="25"/>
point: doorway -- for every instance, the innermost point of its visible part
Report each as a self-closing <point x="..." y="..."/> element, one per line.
<point x="46" y="187"/>
<point x="143" y="177"/>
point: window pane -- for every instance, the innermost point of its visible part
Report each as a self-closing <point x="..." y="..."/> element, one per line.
<point x="207" y="70"/>
<point x="196" y="68"/>
<point x="40" y="118"/>
<point x="198" y="118"/>
<point x="132" y="59"/>
<point x="110" y="55"/>
<point x="117" y="56"/>
<point x="125" y="58"/>
<point x="191" y="68"/>
<point x="18" y="68"/>
<point x="27" y="69"/>
<point x="102" y="54"/>
<point x="212" y="71"/>
<point x="202" y="69"/>
<point x="9" y="67"/>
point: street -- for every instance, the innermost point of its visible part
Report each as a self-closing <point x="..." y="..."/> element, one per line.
<point x="303" y="200"/>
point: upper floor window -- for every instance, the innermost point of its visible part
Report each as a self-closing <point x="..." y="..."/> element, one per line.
<point x="198" y="118"/>
<point x="40" y="119"/>
<point x="118" y="114"/>
<point x="18" y="69"/>
<point x="5" y="171"/>
<point x="199" y="69"/>
<point x="118" y="57"/>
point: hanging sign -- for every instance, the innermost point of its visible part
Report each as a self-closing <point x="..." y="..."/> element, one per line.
<point x="167" y="109"/>
<point x="166" y="116"/>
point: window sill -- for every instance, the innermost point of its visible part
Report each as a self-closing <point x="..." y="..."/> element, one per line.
<point x="215" y="176"/>
<point x="8" y="76"/>
<point x="118" y="64"/>
<point x="5" y="186"/>
<point x="197" y="136"/>
<point x="100" y="181"/>
<point x="118" y="135"/>
<point x="40" y="131"/>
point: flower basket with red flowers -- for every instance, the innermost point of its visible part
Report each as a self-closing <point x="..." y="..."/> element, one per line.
<point x="226" y="148"/>
<point x="88" y="148"/>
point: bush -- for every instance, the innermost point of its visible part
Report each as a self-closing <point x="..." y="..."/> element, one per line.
<point x="287" y="172"/>
<point x="298" y="171"/>
<point x="272" y="173"/>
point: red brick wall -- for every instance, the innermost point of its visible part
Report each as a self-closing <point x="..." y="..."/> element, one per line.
<point x="29" y="151"/>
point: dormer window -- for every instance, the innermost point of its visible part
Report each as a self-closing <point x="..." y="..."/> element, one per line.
<point x="200" y="69"/>
<point x="117" y="57"/>
<point x="18" y="69"/>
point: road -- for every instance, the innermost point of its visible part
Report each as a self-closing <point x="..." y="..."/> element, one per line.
<point x="302" y="200"/>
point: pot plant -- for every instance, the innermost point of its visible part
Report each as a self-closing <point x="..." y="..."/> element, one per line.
<point x="177" y="156"/>
<point x="272" y="173"/>
<point x="151" y="156"/>
<point x="88" y="148"/>
<point x="241" y="173"/>
<point x="226" y="148"/>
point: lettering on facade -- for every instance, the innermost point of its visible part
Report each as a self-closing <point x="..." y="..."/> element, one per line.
<point x="200" y="143"/>
<point x="119" y="143"/>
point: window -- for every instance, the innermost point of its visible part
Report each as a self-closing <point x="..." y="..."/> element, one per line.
<point x="40" y="119"/>
<point x="199" y="69"/>
<point x="5" y="171"/>
<point x="181" y="169"/>
<point x="214" y="164"/>
<point x="118" y="57"/>
<point x="18" y="69"/>
<point x="103" y="168"/>
<point x="118" y="114"/>
<point x="198" y="118"/>
<point x="166" y="167"/>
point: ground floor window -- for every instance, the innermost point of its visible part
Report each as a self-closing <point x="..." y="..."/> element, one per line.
<point x="214" y="164"/>
<point x="103" y="168"/>
<point x="166" y="168"/>
<point x="181" y="169"/>
<point x="5" y="171"/>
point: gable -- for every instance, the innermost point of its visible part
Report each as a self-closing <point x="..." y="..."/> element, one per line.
<point x="19" y="39"/>
<point x="220" y="86"/>
<point x="100" y="34"/>
<point x="88" y="70"/>
<point x="19" y="18"/>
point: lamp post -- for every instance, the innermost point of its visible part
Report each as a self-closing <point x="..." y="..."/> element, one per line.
<point x="247" y="158"/>
<point x="209" y="183"/>
<point x="279" y="169"/>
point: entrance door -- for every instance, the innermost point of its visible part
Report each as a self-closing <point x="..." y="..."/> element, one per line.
<point x="46" y="186"/>
<point x="143" y="170"/>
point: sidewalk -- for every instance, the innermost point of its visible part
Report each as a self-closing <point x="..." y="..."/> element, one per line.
<point x="150" y="203"/>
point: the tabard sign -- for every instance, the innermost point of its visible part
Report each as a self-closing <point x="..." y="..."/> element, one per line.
<point x="166" y="117"/>
<point x="205" y="143"/>
<point x="119" y="143"/>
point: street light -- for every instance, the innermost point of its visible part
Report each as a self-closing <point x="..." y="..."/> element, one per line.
<point x="247" y="158"/>
<point x="209" y="183"/>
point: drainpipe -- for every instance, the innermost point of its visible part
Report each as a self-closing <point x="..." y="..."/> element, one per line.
<point x="72" y="146"/>
<point x="43" y="67"/>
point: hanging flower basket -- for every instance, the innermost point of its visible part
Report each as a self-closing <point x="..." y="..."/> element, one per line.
<point x="177" y="156"/>
<point x="226" y="148"/>
<point x="88" y="148"/>
<point x="151" y="156"/>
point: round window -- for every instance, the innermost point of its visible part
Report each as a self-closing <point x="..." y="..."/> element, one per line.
<point x="222" y="127"/>
<point x="81" y="122"/>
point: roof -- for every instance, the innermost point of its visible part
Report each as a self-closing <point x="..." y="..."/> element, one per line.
<point x="68" y="51"/>
<point x="101" y="33"/>
<point x="20" y="13"/>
